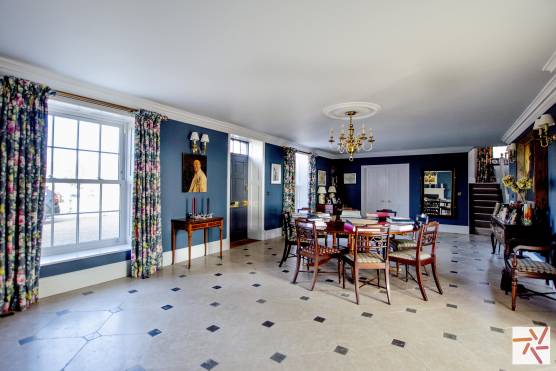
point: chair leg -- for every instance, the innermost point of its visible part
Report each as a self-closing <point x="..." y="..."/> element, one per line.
<point x="514" y="292"/>
<point x="315" y="273"/>
<point x="297" y="264"/>
<point x="343" y="275"/>
<point x="356" y="283"/>
<point x="406" y="273"/>
<point x="436" y="277"/>
<point x="397" y="268"/>
<point x="339" y="263"/>
<point x="420" y="281"/>
<point x="378" y="277"/>
<point x="387" y="278"/>
<point x="287" y="248"/>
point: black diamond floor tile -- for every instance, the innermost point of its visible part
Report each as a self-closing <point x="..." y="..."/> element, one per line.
<point x="319" y="319"/>
<point x="268" y="324"/>
<point x="367" y="314"/>
<point x="154" y="332"/>
<point x="341" y="350"/>
<point x="209" y="364"/>
<point x="278" y="357"/>
<point x="261" y="301"/>
<point x="215" y="304"/>
<point x="447" y="335"/>
<point x="213" y="328"/>
<point x="398" y="343"/>
<point x="167" y="306"/>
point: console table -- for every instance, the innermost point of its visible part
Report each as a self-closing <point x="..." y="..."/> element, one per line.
<point x="503" y="233"/>
<point x="191" y="225"/>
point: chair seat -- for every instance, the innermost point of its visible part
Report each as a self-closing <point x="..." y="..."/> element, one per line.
<point x="527" y="265"/>
<point x="366" y="257"/>
<point x="404" y="244"/>
<point x="409" y="254"/>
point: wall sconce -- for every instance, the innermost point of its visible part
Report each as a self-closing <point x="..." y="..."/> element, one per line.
<point x="204" y="140"/>
<point x="511" y="152"/>
<point x="194" y="138"/>
<point x="542" y="124"/>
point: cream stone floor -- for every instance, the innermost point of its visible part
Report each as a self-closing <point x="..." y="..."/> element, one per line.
<point x="242" y="313"/>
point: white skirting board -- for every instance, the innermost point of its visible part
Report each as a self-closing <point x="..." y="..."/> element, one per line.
<point x="272" y="233"/>
<point x="61" y="283"/>
<point x="448" y="228"/>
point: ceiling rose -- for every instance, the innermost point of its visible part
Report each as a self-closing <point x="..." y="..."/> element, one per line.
<point x="363" y="110"/>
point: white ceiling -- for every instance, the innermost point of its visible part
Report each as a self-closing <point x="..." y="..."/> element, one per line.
<point x="446" y="73"/>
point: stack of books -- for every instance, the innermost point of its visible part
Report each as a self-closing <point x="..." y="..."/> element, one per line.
<point x="401" y="224"/>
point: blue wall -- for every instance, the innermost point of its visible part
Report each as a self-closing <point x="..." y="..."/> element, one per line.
<point x="552" y="176"/>
<point x="273" y="192"/>
<point x="173" y="142"/>
<point x="351" y="194"/>
<point x="325" y="164"/>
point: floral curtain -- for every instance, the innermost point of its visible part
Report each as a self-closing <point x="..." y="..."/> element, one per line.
<point x="23" y="140"/>
<point x="313" y="182"/>
<point x="288" y="196"/>
<point x="485" y="169"/>
<point x="146" y="248"/>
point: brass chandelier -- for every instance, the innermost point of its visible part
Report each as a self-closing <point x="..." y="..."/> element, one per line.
<point x="351" y="142"/>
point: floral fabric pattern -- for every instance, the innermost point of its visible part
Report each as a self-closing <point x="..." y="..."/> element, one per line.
<point x="23" y="140"/>
<point x="313" y="182"/>
<point x="485" y="169"/>
<point x="288" y="196"/>
<point x="146" y="248"/>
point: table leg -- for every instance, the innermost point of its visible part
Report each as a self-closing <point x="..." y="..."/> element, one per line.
<point x="173" y="243"/>
<point x="221" y="240"/>
<point x="206" y="238"/>
<point x="190" y="241"/>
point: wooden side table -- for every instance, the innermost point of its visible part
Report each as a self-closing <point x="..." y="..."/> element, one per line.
<point x="191" y="225"/>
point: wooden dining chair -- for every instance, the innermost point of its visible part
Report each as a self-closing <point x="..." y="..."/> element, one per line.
<point x="290" y="239"/>
<point x="369" y="250"/>
<point x="389" y="211"/>
<point x="419" y="257"/>
<point x="308" y="247"/>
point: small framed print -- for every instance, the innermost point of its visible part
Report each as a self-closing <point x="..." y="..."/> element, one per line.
<point x="321" y="177"/>
<point x="350" y="178"/>
<point x="276" y="174"/>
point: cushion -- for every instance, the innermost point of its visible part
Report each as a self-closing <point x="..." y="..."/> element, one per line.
<point x="409" y="254"/>
<point x="528" y="265"/>
<point x="402" y="244"/>
<point x="366" y="257"/>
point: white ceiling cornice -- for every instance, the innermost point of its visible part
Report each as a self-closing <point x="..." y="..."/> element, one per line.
<point x="542" y="102"/>
<point x="550" y="65"/>
<point x="60" y="82"/>
<point x="409" y="152"/>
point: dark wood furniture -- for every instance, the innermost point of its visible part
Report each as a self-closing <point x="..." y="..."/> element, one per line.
<point x="290" y="238"/>
<point x="191" y="225"/>
<point x="369" y="250"/>
<point x="389" y="211"/>
<point x="308" y="247"/>
<point x="519" y="266"/>
<point x="503" y="233"/>
<point x="420" y="258"/>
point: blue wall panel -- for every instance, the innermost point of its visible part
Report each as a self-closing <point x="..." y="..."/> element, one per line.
<point x="273" y="192"/>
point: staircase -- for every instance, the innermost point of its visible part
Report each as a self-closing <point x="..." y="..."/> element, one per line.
<point x="482" y="198"/>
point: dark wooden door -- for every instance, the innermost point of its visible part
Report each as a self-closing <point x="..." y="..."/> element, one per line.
<point x="238" y="194"/>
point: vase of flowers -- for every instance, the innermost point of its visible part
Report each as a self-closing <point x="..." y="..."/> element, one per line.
<point x="519" y="186"/>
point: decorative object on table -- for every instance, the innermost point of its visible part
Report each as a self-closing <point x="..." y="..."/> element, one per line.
<point x="194" y="170"/>
<point x="321" y="178"/>
<point x="198" y="211"/>
<point x="513" y="217"/>
<point x="350" y="178"/>
<point x="519" y="186"/>
<point x="541" y="126"/>
<point x="276" y="174"/>
<point x="194" y="139"/>
<point x="350" y="142"/>
<point x="528" y="213"/>
<point x="332" y="193"/>
<point x="204" y="143"/>
<point x="321" y="192"/>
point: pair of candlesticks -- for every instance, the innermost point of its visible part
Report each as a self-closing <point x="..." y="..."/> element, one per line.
<point x="193" y="213"/>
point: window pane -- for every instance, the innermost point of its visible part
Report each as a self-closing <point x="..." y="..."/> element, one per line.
<point x="64" y="163"/>
<point x="48" y="162"/>
<point x="89" y="227"/>
<point x="46" y="231"/>
<point x="89" y="197"/>
<point x="110" y="225"/>
<point x="110" y="197"/>
<point x="49" y="200"/>
<point x="108" y="166"/>
<point x="88" y="135"/>
<point x="67" y="196"/>
<point x="88" y="165"/>
<point x="65" y="227"/>
<point x="65" y="132"/>
<point x="110" y="139"/>
<point x="50" y="127"/>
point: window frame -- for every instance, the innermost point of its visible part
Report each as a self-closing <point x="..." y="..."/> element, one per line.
<point x="125" y="171"/>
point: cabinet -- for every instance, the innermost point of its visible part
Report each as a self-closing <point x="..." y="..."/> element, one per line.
<point x="385" y="187"/>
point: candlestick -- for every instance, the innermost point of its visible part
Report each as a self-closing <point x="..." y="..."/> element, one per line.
<point x="202" y="205"/>
<point x="208" y="205"/>
<point x="194" y="206"/>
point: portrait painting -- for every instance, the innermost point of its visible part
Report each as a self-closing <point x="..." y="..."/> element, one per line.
<point x="194" y="173"/>
<point x="276" y="174"/>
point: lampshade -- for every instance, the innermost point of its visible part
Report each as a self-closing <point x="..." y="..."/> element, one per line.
<point x="321" y="190"/>
<point x="194" y="136"/>
<point x="331" y="189"/>
<point x="544" y="120"/>
<point x="204" y="138"/>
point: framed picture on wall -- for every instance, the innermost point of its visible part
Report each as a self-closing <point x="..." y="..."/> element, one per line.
<point x="350" y="178"/>
<point x="276" y="174"/>
<point x="321" y="178"/>
<point x="193" y="173"/>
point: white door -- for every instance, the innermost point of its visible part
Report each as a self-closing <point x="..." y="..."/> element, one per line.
<point x="385" y="187"/>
